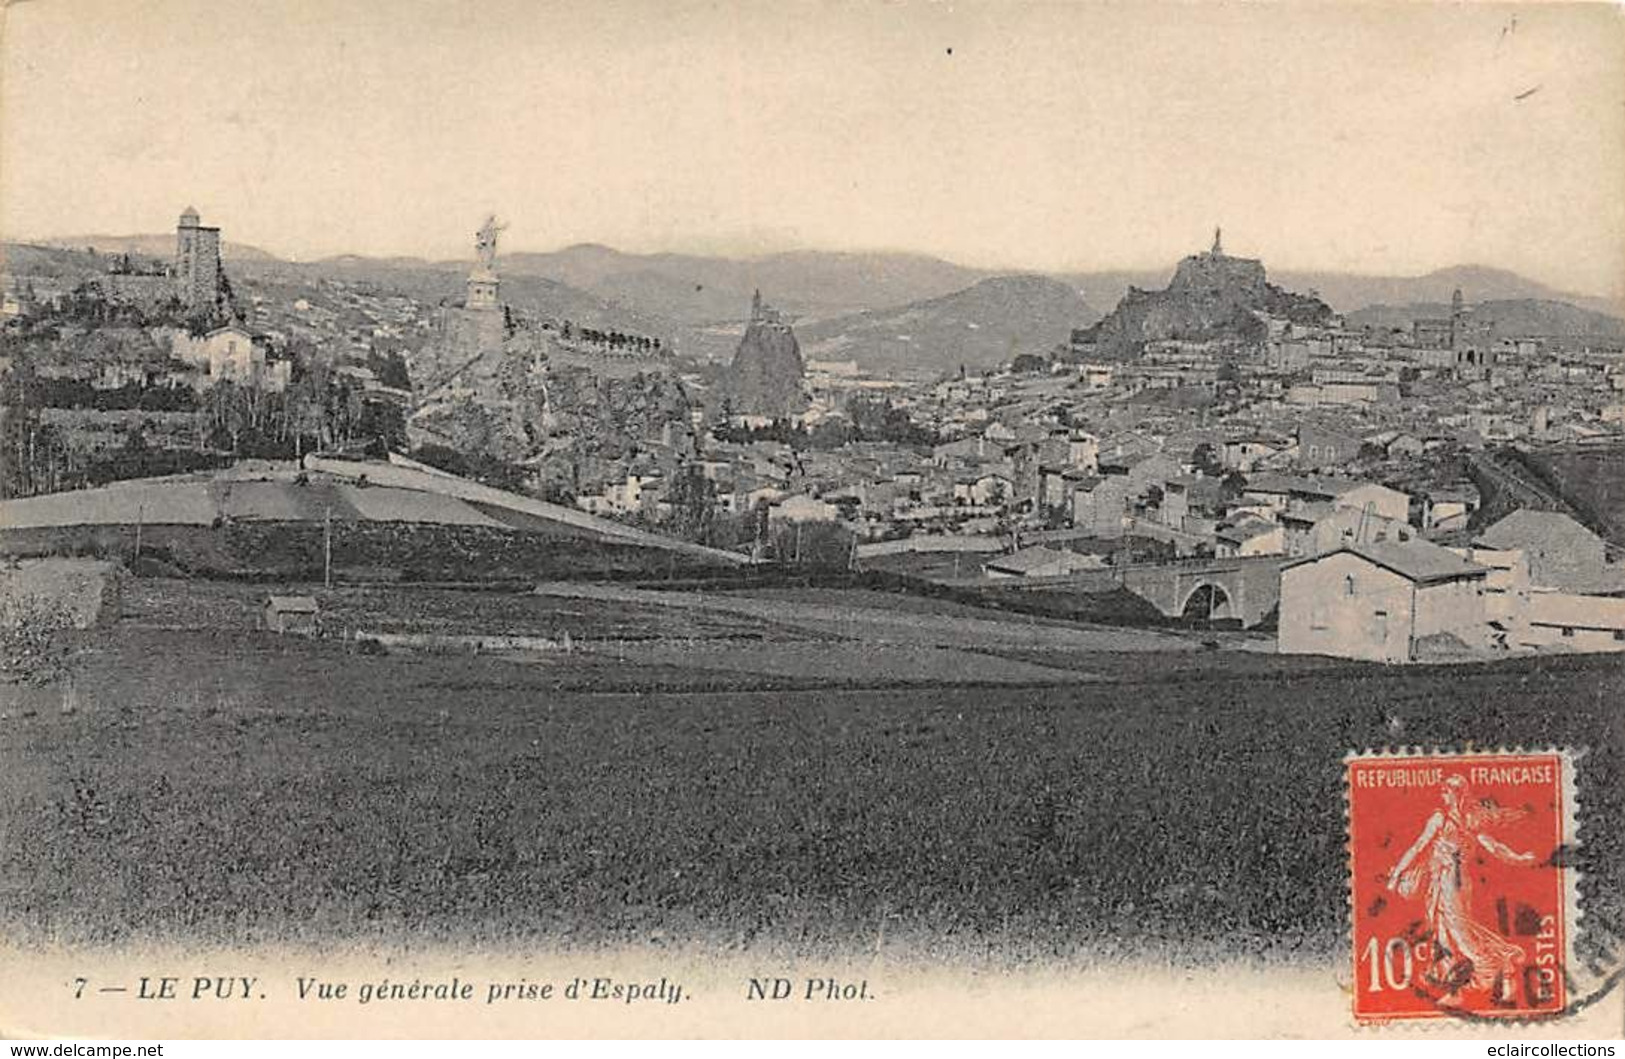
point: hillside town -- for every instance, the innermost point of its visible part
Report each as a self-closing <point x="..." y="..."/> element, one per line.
<point x="1220" y="421"/>
<point x="840" y="520"/>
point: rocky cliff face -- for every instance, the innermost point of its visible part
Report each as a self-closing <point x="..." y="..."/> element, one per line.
<point x="595" y="415"/>
<point x="532" y="393"/>
<point x="765" y="377"/>
<point x="1212" y="296"/>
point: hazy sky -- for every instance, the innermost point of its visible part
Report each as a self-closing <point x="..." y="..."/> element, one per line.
<point x="1359" y="137"/>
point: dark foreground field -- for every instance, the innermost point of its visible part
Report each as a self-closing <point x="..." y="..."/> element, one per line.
<point x="233" y="787"/>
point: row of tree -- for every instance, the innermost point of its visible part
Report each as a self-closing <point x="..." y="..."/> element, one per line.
<point x="866" y="419"/>
<point x="611" y="339"/>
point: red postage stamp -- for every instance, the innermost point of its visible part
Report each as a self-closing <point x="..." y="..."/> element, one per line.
<point x="1460" y="894"/>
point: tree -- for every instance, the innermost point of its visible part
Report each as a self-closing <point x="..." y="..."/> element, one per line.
<point x="383" y="422"/>
<point x="390" y="368"/>
<point x="693" y="500"/>
<point x="877" y="419"/>
<point x="830" y="434"/>
<point x="812" y="545"/>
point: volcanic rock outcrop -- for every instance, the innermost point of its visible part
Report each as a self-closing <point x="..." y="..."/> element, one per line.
<point x="1212" y="296"/>
<point x="765" y="377"/>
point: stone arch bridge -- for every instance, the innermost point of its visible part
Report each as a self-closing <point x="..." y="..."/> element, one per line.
<point x="1243" y="590"/>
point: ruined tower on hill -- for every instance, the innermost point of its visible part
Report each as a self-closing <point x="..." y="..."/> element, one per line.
<point x="766" y="374"/>
<point x="197" y="262"/>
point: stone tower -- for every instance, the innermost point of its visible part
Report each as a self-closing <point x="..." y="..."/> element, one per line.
<point x="1458" y="322"/>
<point x="197" y="262"/>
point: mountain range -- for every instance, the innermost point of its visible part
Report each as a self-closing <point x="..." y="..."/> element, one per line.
<point x="844" y="305"/>
<point x="159" y="246"/>
<point x="989" y="322"/>
<point x="1502" y="318"/>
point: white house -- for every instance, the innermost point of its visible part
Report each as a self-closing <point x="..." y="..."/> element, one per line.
<point x="1564" y="621"/>
<point x="983" y="489"/>
<point x="1314" y="529"/>
<point x="800" y="508"/>
<point x="1292" y="493"/>
<point x="1447" y="510"/>
<point x="232" y="354"/>
<point x="1249" y="535"/>
<point x="1506" y="584"/>
<point x="1388" y="602"/>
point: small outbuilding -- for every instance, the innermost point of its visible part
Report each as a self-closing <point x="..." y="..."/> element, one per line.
<point x="296" y="615"/>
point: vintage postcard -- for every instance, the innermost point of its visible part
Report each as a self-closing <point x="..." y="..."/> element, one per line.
<point x="826" y="519"/>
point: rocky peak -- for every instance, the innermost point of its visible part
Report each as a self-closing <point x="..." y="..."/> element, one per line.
<point x="765" y="377"/>
<point x="1217" y="273"/>
<point x="1212" y="296"/>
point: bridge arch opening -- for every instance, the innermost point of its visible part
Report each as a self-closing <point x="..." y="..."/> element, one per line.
<point x="1207" y="602"/>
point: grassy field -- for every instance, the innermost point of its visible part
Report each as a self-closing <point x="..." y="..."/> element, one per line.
<point x="225" y="786"/>
<point x="1591" y="480"/>
<point x="157" y="602"/>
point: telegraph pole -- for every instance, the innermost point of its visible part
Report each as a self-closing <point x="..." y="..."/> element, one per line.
<point x="327" y="547"/>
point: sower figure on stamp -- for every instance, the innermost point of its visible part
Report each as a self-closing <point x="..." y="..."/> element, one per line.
<point x="1470" y="953"/>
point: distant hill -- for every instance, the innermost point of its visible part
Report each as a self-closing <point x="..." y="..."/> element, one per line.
<point x="700" y="288"/>
<point x="701" y="301"/>
<point x="696" y="290"/>
<point x="430" y="282"/>
<point x="1107" y="288"/>
<point x="1510" y="318"/>
<point x="158" y="246"/>
<point x="31" y="259"/>
<point x="1477" y="283"/>
<point x="435" y="282"/>
<point x="1347" y="292"/>
<point x="986" y="323"/>
<point x="683" y="301"/>
<point x="650" y="295"/>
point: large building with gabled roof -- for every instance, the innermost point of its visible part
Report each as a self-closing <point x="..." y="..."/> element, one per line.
<point x="1385" y="602"/>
